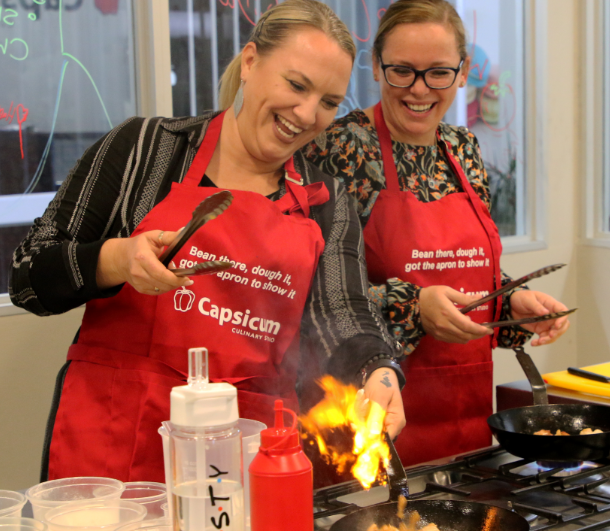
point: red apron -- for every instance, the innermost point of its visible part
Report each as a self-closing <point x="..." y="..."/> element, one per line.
<point x="453" y="242"/>
<point x="132" y="348"/>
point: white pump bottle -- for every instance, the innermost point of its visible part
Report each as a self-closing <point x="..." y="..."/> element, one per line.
<point x="205" y="453"/>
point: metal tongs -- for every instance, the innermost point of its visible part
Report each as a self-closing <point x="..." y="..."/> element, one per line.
<point x="210" y="208"/>
<point x="511" y="285"/>
<point x="397" y="477"/>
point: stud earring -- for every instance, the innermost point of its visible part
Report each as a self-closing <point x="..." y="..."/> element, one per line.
<point x="238" y="102"/>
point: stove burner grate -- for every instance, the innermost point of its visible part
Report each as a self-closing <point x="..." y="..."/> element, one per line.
<point x="551" y="496"/>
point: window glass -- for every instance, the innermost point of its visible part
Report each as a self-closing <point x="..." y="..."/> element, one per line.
<point x="67" y="78"/>
<point x="493" y="104"/>
<point x="205" y="34"/>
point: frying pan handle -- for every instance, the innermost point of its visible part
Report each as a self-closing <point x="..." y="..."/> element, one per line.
<point x="541" y="397"/>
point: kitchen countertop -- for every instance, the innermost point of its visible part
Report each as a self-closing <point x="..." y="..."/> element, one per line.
<point x="519" y="394"/>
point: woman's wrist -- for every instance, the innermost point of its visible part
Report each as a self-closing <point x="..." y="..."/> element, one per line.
<point x="108" y="271"/>
<point x="380" y="361"/>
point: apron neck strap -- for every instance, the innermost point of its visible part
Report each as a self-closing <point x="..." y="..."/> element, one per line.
<point x="291" y="174"/>
<point x="387" y="155"/>
<point x="205" y="152"/>
<point x="484" y="216"/>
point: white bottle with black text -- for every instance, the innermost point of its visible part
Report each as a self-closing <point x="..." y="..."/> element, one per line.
<point x="205" y="453"/>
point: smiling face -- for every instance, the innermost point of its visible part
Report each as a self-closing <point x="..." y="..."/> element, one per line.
<point x="413" y="114"/>
<point x="291" y="94"/>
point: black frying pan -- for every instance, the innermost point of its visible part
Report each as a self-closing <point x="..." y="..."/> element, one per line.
<point x="448" y="515"/>
<point x="514" y="428"/>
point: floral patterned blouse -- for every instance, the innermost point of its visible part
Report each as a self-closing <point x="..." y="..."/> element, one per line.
<point x="350" y="150"/>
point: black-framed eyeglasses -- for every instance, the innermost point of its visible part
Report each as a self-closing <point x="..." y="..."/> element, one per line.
<point x="438" y="77"/>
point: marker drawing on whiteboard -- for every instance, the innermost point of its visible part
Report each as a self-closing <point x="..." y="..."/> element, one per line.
<point x="16" y="111"/>
<point x="47" y="148"/>
<point x="21" y="53"/>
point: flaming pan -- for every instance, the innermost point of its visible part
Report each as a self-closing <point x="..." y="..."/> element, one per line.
<point x="448" y="515"/>
<point x="514" y="428"/>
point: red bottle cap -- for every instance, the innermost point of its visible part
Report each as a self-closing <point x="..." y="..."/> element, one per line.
<point x="280" y="437"/>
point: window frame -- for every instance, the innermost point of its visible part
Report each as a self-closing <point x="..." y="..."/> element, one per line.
<point x="594" y="203"/>
<point x="534" y="214"/>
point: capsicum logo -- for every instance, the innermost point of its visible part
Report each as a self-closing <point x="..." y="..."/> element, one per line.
<point x="183" y="299"/>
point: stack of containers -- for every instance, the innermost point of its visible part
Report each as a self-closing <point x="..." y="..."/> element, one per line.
<point x="72" y="504"/>
<point x="21" y="524"/>
<point x="11" y="504"/>
<point x="150" y="495"/>
<point x="50" y="495"/>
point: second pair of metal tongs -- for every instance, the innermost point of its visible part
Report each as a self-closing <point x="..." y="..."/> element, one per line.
<point x="210" y="208"/>
<point x="511" y="285"/>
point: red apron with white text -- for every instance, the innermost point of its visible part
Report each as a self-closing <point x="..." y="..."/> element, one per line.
<point x="453" y="242"/>
<point x="132" y="348"/>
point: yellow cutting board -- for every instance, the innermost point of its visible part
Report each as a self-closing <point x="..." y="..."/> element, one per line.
<point x="576" y="383"/>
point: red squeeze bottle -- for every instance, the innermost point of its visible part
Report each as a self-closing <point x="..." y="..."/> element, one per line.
<point x="281" y="480"/>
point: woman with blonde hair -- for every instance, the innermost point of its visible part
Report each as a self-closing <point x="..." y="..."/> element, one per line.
<point x="290" y="230"/>
<point x="423" y="199"/>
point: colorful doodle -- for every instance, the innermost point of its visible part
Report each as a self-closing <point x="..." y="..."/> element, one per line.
<point x="16" y="111"/>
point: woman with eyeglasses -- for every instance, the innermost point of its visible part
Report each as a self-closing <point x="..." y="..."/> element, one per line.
<point x="423" y="199"/>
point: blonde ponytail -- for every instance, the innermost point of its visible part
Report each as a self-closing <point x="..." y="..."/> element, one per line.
<point x="229" y="83"/>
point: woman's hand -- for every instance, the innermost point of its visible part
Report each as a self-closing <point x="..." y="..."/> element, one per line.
<point x="382" y="387"/>
<point x="526" y="303"/>
<point x="443" y="321"/>
<point x="135" y="261"/>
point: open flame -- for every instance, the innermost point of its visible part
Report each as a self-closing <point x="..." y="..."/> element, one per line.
<point x="345" y="409"/>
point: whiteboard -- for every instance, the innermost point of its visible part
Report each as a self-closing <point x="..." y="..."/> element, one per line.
<point x="66" y="78"/>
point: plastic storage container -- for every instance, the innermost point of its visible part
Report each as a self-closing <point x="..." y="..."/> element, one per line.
<point x="22" y="524"/>
<point x="102" y="515"/>
<point x="11" y="503"/>
<point x="51" y="494"/>
<point x="281" y="480"/>
<point x="161" y="524"/>
<point x="205" y="453"/>
<point x="250" y="442"/>
<point x="149" y="494"/>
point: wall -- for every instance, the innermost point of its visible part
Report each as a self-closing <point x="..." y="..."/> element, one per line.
<point x="33" y="350"/>
<point x="593" y="335"/>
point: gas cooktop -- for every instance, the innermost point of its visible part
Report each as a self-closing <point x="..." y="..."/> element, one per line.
<point x="555" y="496"/>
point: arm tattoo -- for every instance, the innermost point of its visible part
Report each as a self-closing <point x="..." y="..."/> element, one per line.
<point x="386" y="381"/>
